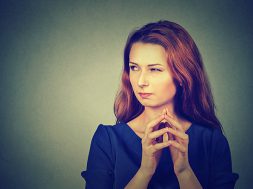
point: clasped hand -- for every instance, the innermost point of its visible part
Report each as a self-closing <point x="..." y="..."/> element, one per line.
<point x="174" y="137"/>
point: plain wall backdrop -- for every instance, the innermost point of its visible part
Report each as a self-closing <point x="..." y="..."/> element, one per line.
<point x="60" y="66"/>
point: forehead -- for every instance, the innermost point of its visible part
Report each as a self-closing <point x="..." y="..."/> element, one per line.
<point x="147" y="53"/>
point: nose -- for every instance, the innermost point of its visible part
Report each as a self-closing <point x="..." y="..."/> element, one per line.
<point x="143" y="80"/>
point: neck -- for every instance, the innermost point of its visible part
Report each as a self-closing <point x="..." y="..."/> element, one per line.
<point x="150" y="113"/>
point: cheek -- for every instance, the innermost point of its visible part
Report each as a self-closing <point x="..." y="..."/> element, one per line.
<point x="167" y="86"/>
<point x="133" y="78"/>
<point x="132" y="82"/>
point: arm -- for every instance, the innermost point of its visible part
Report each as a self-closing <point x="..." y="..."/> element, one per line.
<point x="99" y="173"/>
<point x="222" y="176"/>
<point x="151" y="152"/>
<point x="140" y="181"/>
<point x="179" y="141"/>
<point x="188" y="180"/>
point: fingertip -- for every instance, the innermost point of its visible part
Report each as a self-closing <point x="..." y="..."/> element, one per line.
<point x="162" y="116"/>
<point x="169" y="115"/>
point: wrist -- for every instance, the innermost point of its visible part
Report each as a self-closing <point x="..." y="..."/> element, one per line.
<point x="145" y="174"/>
<point x="187" y="179"/>
<point x="140" y="180"/>
<point x="185" y="173"/>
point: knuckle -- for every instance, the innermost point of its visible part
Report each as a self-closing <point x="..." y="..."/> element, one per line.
<point x="149" y="136"/>
<point x="152" y="151"/>
<point x="148" y="126"/>
<point x="143" y="140"/>
<point x="184" y="149"/>
<point x="165" y="129"/>
<point x="164" y="145"/>
<point x="156" y="147"/>
<point x="186" y="137"/>
<point x="145" y="148"/>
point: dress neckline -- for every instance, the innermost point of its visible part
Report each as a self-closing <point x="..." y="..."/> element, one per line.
<point x="139" y="138"/>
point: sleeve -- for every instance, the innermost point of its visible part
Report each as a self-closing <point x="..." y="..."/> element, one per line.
<point x="99" y="172"/>
<point x="222" y="176"/>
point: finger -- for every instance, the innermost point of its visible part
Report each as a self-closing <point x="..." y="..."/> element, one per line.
<point x="178" y="139"/>
<point x="173" y="122"/>
<point x="179" y="134"/>
<point x="153" y="123"/>
<point x="177" y="145"/>
<point x="171" y="136"/>
<point x="167" y="111"/>
<point x="149" y="128"/>
<point x="169" y="114"/>
<point x="158" y="133"/>
<point x="159" y="146"/>
<point x="165" y="137"/>
<point x="164" y="111"/>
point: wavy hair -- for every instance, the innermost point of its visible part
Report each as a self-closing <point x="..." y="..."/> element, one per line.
<point x="193" y="99"/>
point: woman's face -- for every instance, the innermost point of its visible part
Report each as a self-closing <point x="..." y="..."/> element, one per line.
<point x="150" y="73"/>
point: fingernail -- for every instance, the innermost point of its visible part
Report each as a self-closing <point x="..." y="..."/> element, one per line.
<point x="164" y="111"/>
<point x="169" y="114"/>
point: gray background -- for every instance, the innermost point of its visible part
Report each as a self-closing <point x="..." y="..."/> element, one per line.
<point x="60" y="65"/>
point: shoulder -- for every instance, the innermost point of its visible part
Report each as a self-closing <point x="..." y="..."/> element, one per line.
<point x="102" y="128"/>
<point x="211" y="142"/>
<point x="211" y="138"/>
<point x="110" y="137"/>
<point x="105" y="138"/>
<point x="211" y="147"/>
<point x="207" y="132"/>
<point x="104" y="132"/>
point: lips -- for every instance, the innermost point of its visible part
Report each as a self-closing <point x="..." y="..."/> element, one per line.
<point x="145" y="95"/>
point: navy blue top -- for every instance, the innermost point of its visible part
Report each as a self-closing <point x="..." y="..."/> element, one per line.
<point x="115" y="157"/>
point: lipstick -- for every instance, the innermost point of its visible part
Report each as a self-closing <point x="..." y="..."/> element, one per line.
<point x="144" y="95"/>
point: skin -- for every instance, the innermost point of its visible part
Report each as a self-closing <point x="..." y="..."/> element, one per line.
<point x="150" y="73"/>
<point x="146" y="77"/>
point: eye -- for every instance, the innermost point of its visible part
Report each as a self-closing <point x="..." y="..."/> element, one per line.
<point x="133" y="68"/>
<point x="155" y="70"/>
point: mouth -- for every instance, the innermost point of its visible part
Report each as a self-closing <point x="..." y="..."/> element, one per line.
<point x="145" y="95"/>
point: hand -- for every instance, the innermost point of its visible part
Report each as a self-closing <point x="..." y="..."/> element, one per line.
<point x="151" y="149"/>
<point x="179" y="141"/>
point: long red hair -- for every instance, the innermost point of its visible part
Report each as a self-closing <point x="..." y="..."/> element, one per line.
<point x="193" y="99"/>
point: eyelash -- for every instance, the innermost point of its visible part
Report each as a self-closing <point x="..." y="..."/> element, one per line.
<point x="132" y="68"/>
<point x="152" y="69"/>
<point x="156" y="69"/>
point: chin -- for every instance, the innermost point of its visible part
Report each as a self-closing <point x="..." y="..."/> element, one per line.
<point x="152" y="105"/>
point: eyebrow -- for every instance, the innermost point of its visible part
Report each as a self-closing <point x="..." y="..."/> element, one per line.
<point x="148" y="64"/>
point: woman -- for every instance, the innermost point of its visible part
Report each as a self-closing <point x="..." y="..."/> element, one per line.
<point x="166" y="134"/>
